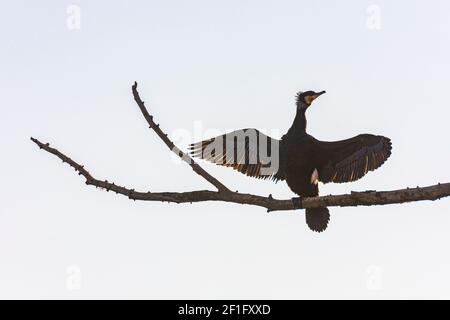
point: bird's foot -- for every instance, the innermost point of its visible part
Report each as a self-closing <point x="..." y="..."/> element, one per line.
<point x="297" y="203"/>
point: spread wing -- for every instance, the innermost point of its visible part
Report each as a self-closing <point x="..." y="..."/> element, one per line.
<point x="350" y="159"/>
<point x="247" y="151"/>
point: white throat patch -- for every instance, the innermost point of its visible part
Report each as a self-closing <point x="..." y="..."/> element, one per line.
<point x="315" y="177"/>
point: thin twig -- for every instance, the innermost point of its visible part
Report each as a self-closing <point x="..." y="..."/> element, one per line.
<point x="163" y="136"/>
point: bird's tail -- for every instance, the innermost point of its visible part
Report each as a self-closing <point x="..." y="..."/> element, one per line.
<point x="317" y="218"/>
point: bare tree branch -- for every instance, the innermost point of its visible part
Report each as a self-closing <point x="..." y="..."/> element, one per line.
<point x="163" y="136"/>
<point x="367" y="198"/>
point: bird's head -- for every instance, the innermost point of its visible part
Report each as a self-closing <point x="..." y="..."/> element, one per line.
<point x="304" y="99"/>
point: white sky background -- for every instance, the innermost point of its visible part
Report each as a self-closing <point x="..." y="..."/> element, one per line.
<point x="229" y="65"/>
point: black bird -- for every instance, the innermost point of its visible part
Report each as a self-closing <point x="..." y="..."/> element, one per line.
<point x="298" y="158"/>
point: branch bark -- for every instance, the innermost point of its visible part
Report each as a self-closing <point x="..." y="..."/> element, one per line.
<point x="366" y="198"/>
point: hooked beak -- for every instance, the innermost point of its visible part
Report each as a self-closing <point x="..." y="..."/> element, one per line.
<point x="318" y="94"/>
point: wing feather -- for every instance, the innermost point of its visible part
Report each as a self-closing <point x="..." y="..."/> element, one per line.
<point x="248" y="151"/>
<point x="351" y="159"/>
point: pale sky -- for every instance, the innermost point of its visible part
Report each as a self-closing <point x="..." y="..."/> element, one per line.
<point x="205" y="67"/>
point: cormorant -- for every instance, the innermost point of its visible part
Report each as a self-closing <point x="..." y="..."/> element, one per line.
<point x="298" y="158"/>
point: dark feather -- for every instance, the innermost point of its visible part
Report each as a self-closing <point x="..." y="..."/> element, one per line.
<point x="246" y="151"/>
<point x="317" y="218"/>
<point x="349" y="160"/>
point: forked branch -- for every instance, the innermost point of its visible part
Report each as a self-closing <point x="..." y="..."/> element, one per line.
<point x="366" y="198"/>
